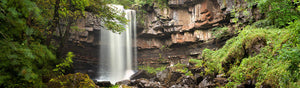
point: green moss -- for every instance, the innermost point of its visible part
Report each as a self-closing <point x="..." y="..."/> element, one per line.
<point x="218" y="32"/>
<point x="152" y="70"/>
<point x="77" y="80"/>
<point x="276" y="65"/>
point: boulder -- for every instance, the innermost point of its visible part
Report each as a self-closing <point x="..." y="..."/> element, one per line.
<point x="187" y="80"/>
<point x="124" y="82"/>
<point x="143" y="83"/>
<point x="141" y="74"/>
<point x="206" y="82"/>
<point x="168" y="77"/>
<point x="104" y="84"/>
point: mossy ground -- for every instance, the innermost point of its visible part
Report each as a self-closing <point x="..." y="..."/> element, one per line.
<point x="77" y="80"/>
<point x="267" y="56"/>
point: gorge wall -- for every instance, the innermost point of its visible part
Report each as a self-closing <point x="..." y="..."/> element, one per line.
<point x="184" y="29"/>
<point x="84" y="42"/>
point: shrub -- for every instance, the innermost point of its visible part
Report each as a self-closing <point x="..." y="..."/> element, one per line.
<point x="65" y="64"/>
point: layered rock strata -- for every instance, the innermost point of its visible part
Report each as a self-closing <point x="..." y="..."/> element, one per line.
<point x="179" y="30"/>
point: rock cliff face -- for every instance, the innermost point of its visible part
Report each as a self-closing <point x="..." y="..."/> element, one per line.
<point x="84" y="42"/>
<point x="179" y="30"/>
<point x="184" y="29"/>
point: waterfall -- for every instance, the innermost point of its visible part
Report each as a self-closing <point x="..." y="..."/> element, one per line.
<point x="118" y="51"/>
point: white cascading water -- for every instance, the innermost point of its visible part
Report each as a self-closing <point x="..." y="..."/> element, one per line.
<point x="118" y="52"/>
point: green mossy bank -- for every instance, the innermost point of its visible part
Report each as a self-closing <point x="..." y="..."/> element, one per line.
<point x="267" y="56"/>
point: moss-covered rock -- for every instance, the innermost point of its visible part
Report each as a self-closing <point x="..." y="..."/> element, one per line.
<point x="77" y="80"/>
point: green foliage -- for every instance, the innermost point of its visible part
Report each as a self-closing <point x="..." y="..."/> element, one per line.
<point x="72" y="8"/>
<point x="152" y="70"/>
<point x="24" y="61"/>
<point x="77" y="80"/>
<point x="182" y="68"/>
<point x="219" y="32"/>
<point x="65" y="64"/>
<point x="189" y="73"/>
<point x="109" y="15"/>
<point x="14" y="19"/>
<point x="24" y="65"/>
<point x="278" y="12"/>
<point x="198" y="63"/>
<point x="290" y="50"/>
<point x="24" y="25"/>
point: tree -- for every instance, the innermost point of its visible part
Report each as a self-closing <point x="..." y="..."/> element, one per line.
<point x="279" y="12"/>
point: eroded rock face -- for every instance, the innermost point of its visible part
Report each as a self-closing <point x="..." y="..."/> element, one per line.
<point x="177" y="31"/>
<point x="188" y="21"/>
<point x="88" y="30"/>
<point x="84" y="42"/>
<point x="182" y="29"/>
